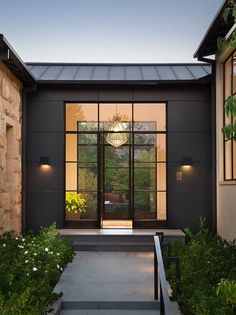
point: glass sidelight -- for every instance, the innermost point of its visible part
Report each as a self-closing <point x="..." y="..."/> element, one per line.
<point x="115" y="174"/>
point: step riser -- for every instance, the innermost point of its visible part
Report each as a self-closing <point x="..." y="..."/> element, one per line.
<point x="113" y="239"/>
<point x="110" y="239"/>
<point x="113" y="305"/>
<point x="113" y="248"/>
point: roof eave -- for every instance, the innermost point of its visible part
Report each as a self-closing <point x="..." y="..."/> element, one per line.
<point x="217" y="28"/>
<point x="205" y="79"/>
<point x="13" y="62"/>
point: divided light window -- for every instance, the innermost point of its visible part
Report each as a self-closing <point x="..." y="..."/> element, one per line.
<point x="123" y="183"/>
<point x="230" y="145"/>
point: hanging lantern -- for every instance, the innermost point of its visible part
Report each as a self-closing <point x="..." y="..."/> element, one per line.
<point x="115" y="138"/>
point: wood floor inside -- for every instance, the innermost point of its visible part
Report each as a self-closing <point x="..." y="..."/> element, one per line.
<point x="117" y="224"/>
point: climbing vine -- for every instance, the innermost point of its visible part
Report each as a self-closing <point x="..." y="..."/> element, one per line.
<point x="229" y="130"/>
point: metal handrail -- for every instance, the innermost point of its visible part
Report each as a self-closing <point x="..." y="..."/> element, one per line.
<point x="165" y="303"/>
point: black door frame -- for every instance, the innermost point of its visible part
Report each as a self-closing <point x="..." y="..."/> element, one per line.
<point x="135" y="223"/>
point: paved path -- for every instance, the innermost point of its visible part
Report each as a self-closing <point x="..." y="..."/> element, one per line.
<point x="108" y="276"/>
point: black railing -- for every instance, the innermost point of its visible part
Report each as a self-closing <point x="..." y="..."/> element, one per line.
<point x="160" y="283"/>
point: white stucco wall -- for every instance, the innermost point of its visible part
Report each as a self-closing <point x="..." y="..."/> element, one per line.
<point x="226" y="191"/>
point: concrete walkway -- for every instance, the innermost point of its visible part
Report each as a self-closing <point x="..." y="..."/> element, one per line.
<point x="108" y="276"/>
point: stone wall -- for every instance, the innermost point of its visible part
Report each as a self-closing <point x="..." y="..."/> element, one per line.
<point x="10" y="151"/>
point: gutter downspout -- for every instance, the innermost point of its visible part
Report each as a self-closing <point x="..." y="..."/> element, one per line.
<point x="213" y="143"/>
<point x="25" y="90"/>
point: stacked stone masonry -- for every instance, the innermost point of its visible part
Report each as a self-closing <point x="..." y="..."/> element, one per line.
<point x="10" y="151"/>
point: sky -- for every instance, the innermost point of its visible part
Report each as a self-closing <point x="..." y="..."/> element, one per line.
<point x="106" y="30"/>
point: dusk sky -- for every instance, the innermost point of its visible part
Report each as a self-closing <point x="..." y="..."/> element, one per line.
<point x="106" y="30"/>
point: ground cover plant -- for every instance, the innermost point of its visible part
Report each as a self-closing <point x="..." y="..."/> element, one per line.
<point x="30" y="266"/>
<point x="208" y="272"/>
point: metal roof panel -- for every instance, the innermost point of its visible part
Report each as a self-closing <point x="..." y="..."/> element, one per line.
<point x="198" y="72"/>
<point x="101" y="73"/>
<point x="182" y="73"/>
<point x="47" y="72"/>
<point x="166" y="73"/>
<point x="67" y="73"/>
<point x="84" y="73"/>
<point x="133" y="73"/>
<point x="149" y="73"/>
<point x="117" y="73"/>
<point x="51" y="73"/>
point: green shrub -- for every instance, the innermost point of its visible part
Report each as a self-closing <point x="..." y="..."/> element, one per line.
<point x="30" y="267"/>
<point x="204" y="261"/>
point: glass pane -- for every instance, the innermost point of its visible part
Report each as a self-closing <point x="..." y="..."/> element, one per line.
<point x="117" y="156"/>
<point x="87" y="126"/>
<point x="150" y="117"/>
<point x="145" y="205"/>
<point x="234" y="74"/>
<point x="71" y="147"/>
<point x="228" y="161"/>
<point x="161" y="176"/>
<point x="87" y="153"/>
<point x="116" y="205"/>
<point x="71" y="176"/>
<point x="145" y="176"/>
<point x="228" y="72"/>
<point x="161" y="205"/>
<point x="150" y="147"/>
<point x="87" y="178"/>
<point x="161" y="148"/>
<point x="78" y="112"/>
<point x="234" y="157"/>
<point x="89" y="211"/>
<point x="145" y="153"/>
<point x="107" y="113"/>
<point x="116" y="178"/>
<point x="87" y="138"/>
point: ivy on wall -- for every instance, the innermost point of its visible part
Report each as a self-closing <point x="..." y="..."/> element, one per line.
<point x="229" y="130"/>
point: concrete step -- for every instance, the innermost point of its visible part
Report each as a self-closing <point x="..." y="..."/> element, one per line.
<point x="116" y="247"/>
<point x="109" y="312"/>
<point x="110" y="308"/>
<point x="126" y="243"/>
<point x="127" y="305"/>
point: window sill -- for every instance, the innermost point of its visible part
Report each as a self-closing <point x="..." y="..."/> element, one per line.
<point x="227" y="182"/>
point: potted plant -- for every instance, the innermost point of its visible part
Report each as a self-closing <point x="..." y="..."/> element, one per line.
<point x="75" y="205"/>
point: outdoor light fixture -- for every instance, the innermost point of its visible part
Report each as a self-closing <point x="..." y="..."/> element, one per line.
<point x="187" y="161"/>
<point x="44" y="161"/>
<point x="116" y="138"/>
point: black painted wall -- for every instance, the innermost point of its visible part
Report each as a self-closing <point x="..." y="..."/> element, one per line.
<point x="189" y="134"/>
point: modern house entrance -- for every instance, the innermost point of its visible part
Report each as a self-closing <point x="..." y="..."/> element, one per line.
<point x="116" y="162"/>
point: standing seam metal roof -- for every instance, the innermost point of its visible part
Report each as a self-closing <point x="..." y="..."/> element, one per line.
<point x="56" y="72"/>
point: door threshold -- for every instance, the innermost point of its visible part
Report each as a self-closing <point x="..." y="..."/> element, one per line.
<point x="117" y="224"/>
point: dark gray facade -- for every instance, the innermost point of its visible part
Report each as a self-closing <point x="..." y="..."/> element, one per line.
<point x="189" y="134"/>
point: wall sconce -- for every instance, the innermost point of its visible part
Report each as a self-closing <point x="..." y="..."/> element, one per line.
<point x="187" y="162"/>
<point x="44" y="161"/>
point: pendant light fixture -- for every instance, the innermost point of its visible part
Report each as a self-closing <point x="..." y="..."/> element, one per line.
<point x="116" y="137"/>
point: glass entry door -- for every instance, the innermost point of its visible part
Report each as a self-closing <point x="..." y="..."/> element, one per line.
<point x="115" y="171"/>
<point x="115" y="165"/>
